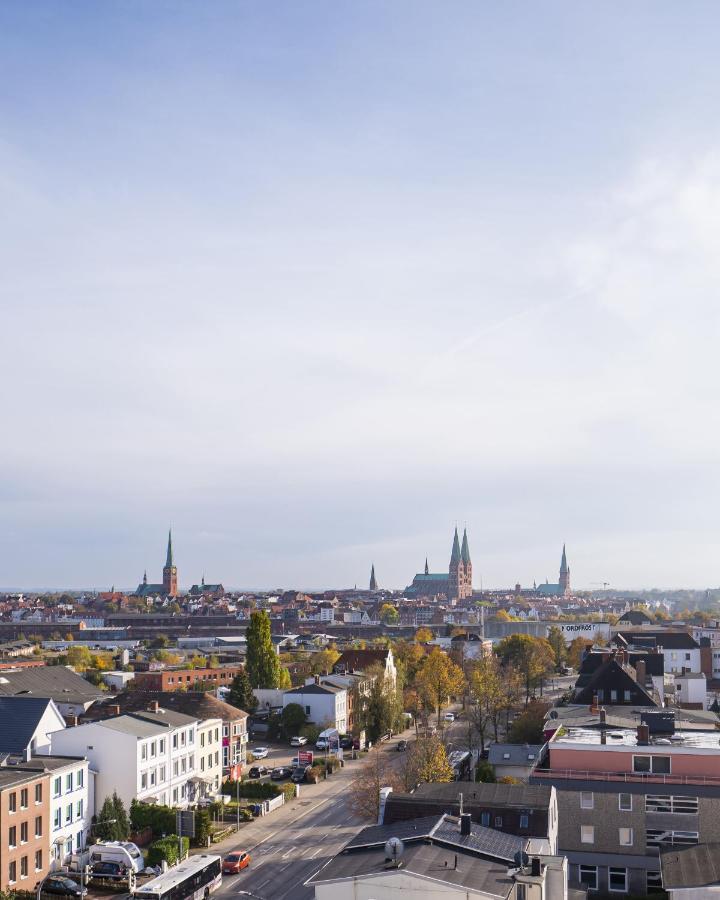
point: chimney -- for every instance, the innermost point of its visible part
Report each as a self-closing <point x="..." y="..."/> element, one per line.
<point x="72" y="721"/>
<point x="535" y="867"/>
<point x="465" y="824"/>
<point x="643" y="735"/>
<point x="154" y="706"/>
<point x="603" y="715"/>
<point x="114" y="710"/>
<point x="603" y="737"/>
<point x="641" y="671"/>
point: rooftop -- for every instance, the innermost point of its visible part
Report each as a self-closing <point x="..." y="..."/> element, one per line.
<point x="690" y="867"/>
<point x="627" y="737"/>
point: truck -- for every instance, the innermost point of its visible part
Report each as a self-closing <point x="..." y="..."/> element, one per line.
<point x="329" y="739"/>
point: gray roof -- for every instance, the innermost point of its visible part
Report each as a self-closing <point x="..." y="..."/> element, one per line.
<point x="514" y="754"/>
<point x="130" y="724"/>
<point x="689" y="867"/>
<point x="166" y="717"/>
<point x="316" y="689"/>
<point x="20" y="717"/>
<point x="431" y="845"/>
<point x="521" y="795"/>
<point x="57" y="682"/>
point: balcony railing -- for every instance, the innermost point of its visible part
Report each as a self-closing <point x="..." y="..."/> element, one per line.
<point x="624" y="777"/>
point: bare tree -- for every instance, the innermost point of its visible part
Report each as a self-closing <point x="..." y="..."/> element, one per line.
<point x="375" y="774"/>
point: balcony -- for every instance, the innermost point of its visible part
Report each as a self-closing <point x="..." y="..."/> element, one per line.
<point x="623" y="777"/>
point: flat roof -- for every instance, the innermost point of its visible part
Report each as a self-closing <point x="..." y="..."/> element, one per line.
<point x="627" y="737"/>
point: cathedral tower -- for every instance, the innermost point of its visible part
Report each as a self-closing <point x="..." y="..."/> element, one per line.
<point x="467" y="566"/>
<point x="564" y="574"/>
<point x="170" y="571"/>
<point x="456" y="571"/>
<point x="373" y="579"/>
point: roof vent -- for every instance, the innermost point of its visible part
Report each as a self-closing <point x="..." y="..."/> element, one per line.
<point x="394" y="849"/>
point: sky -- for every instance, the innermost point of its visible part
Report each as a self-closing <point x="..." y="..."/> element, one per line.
<point x="314" y="282"/>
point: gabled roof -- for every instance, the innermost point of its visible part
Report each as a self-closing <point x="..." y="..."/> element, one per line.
<point x="198" y="704"/>
<point x="316" y="689"/>
<point x="668" y="640"/>
<point x="56" y="682"/>
<point x="361" y="659"/>
<point x="514" y="754"/>
<point x="20" y="717"/>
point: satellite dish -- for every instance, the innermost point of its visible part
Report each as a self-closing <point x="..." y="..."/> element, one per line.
<point x="394" y="849"/>
<point x="553" y="714"/>
<point x="521" y="859"/>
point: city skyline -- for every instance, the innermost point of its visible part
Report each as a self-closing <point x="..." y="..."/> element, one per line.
<point x="311" y="281"/>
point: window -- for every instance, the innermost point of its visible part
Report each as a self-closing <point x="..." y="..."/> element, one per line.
<point x="175" y="742"/>
<point x="162" y="745"/>
<point x="191" y="735"/>
<point x="191" y="763"/>
<point x="57" y="819"/>
<point x="175" y="767"/>
<point x="625" y="802"/>
<point x="498" y="821"/>
<point x="23" y="832"/>
<point x="524" y="820"/>
<point x="627" y="695"/>
<point x="657" y="765"/>
<point x="12" y="802"/>
<point x="80" y="778"/>
<point x="12" y="836"/>
<point x="217" y="758"/>
<point x="665" y="803"/>
<point x="617" y="880"/>
<point x="57" y="787"/>
<point x="143" y="781"/>
<point x="175" y="795"/>
<point x="182" y="738"/>
<point x="24" y="798"/>
<point x="68" y="782"/>
<point x="521" y="892"/>
<point x="68" y="814"/>
<point x="485" y="819"/>
<point x="79" y="810"/>
<point x="656" y="837"/>
<point x="12" y="872"/>
<point x="153" y="748"/>
<point x="626" y="837"/>
<point x="202" y="763"/>
<point x="586" y="800"/>
<point x="588" y="877"/>
<point x="613" y="696"/>
<point x="38" y="826"/>
<point x="152" y="778"/>
<point x="202" y="739"/>
<point x="162" y="773"/>
<point x="587" y="834"/>
<point x="38" y="860"/>
<point x="217" y="736"/>
<point x="24" y="867"/>
<point x="38" y="792"/>
<point x="183" y="765"/>
<point x="307" y="710"/>
<point x="143" y="751"/>
<point x="78" y="842"/>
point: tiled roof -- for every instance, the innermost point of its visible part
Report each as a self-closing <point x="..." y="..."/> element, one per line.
<point x="20" y="717"/>
<point x="198" y="704"/>
<point x="57" y="682"/>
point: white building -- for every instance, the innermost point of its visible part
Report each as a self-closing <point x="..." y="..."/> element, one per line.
<point x="210" y="757"/>
<point x="148" y="756"/>
<point x="71" y="806"/>
<point x="325" y="704"/>
<point x="691" y="688"/>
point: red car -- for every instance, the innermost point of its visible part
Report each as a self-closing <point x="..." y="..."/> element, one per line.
<point x="234" y="862"/>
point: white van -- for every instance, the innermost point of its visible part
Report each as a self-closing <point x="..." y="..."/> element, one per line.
<point x="124" y="852"/>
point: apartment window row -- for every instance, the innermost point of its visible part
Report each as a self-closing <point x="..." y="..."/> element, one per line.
<point x="211" y="736"/>
<point x="24" y="867"/>
<point x="655" y="765"/>
<point x="215" y="675"/>
<point x="73" y="781"/>
<point x="183" y="738"/>
<point x="151" y="749"/>
<point x="153" y="777"/>
<point x="209" y="760"/>
<point x="616" y="877"/>
<point x="73" y="813"/>
<point x="625" y="835"/>
<point x="656" y="837"/>
<point x="485" y="820"/>
<point x="666" y="803"/>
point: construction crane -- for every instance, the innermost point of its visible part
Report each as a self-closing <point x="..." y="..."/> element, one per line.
<point x="605" y="584"/>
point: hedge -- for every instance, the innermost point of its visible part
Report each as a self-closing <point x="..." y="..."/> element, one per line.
<point x="166" y="849"/>
<point x="252" y="790"/>
<point x="161" y="819"/>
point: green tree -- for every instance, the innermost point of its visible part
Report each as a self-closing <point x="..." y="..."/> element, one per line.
<point x="322" y="662"/>
<point x="532" y="656"/>
<point x="576" y="649"/>
<point x="112" y="821"/>
<point x="262" y="663"/>
<point x="487" y="695"/>
<point x="389" y="615"/>
<point x="438" y="679"/>
<point x="284" y="679"/>
<point x="79" y="658"/>
<point x="426" y="761"/>
<point x="557" y="642"/>
<point x="529" y="726"/>
<point x="292" y="719"/>
<point x="241" y="693"/>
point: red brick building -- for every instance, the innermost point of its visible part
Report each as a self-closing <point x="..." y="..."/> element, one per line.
<point x="178" y="679"/>
<point x="24" y="829"/>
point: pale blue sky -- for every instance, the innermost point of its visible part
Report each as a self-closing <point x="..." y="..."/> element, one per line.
<point x="314" y="281"/>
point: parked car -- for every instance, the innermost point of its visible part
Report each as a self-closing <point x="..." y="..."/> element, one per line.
<point x="235" y="862"/>
<point x="485" y="754"/>
<point x="402" y="745"/>
<point x="260" y="752"/>
<point x="280" y="773"/>
<point x="63" y="887"/>
<point x="346" y="742"/>
<point x="299" y="773"/>
<point x="298" y="741"/>
<point x="449" y="717"/>
<point x="257" y="772"/>
<point x="114" y="870"/>
<point x="321" y="744"/>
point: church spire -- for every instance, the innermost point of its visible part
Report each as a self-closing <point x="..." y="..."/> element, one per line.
<point x="564" y="573"/>
<point x="169" y="560"/>
<point x="465" y="552"/>
<point x="373" y="580"/>
<point x="455" y="555"/>
<point x="427" y="570"/>
<point x="145" y="577"/>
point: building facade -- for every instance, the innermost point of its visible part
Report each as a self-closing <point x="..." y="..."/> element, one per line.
<point x="24" y="829"/>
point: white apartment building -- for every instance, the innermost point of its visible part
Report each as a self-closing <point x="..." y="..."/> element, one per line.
<point x="210" y="756"/>
<point x="71" y="807"/>
<point x="325" y="704"/>
<point x="148" y="756"/>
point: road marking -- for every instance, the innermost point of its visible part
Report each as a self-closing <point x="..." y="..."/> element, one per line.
<point x="287" y="853"/>
<point x="314" y="853"/>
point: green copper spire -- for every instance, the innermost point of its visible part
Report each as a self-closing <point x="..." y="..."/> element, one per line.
<point x="465" y="552"/>
<point x="563" y="562"/>
<point x="169" y="561"/>
<point x="455" y="555"/>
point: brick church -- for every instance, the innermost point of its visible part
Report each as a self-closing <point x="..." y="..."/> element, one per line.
<point x="456" y="585"/>
<point x="169" y="586"/>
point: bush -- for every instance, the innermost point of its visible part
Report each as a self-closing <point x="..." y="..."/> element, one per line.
<point x="311" y="732"/>
<point x="246" y="814"/>
<point x="160" y="819"/>
<point x="166" y="849"/>
<point x="484" y="772"/>
<point x="202" y="827"/>
<point x="251" y="790"/>
<point x="289" y="792"/>
<point x="333" y="763"/>
<point x="315" y="774"/>
<point x="509" y="779"/>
